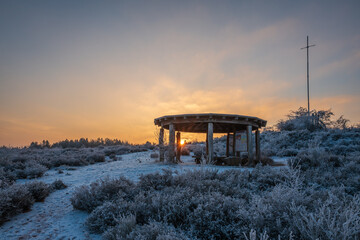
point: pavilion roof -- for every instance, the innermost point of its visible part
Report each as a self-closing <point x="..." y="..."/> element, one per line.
<point x="198" y="123"/>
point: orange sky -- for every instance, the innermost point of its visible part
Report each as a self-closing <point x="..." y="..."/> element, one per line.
<point x="92" y="70"/>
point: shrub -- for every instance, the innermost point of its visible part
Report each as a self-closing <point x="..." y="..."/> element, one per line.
<point x="58" y="185"/>
<point x="38" y="190"/>
<point x="127" y="229"/>
<point x="125" y="225"/>
<point x="103" y="217"/>
<point x="334" y="219"/>
<point x="154" y="155"/>
<point x="95" y="158"/>
<point x="34" y="170"/>
<point x="301" y="119"/>
<point x="206" y="204"/>
<point x="89" y="197"/>
<point x="14" y="200"/>
<point x="157" y="231"/>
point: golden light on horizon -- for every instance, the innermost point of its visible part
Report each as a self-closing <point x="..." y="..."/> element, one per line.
<point x="104" y="77"/>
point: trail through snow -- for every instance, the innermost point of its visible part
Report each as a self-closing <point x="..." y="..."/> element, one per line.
<point x="55" y="218"/>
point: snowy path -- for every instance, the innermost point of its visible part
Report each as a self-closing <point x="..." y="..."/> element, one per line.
<point x="55" y="218"/>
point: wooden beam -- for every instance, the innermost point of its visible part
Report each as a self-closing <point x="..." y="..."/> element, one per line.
<point x="178" y="147"/>
<point x="257" y="140"/>
<point x="161" y="145"/>
<point x="171" y="146"/>
<point x="234" y="144"/>
<point x="207" y="143"/>
<point x="227" y="144"/>
<point x="249" y="145"/>
<point x="210" y="142"/>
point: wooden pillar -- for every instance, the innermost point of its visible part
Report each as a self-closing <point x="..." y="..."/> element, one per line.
<point x="234" y="144"/>
<point x="171" y="146"/>
<point x="210" y="142"/>
<point x="207" y="144"/>
<point x="227" y="144"/>
<point x="178" y="147"/>
<point x="257" y="141"/>
<point x="249" y="145"/>
<point x="161" y="145"/>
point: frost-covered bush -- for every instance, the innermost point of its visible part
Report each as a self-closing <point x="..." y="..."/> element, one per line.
<point x="38" y="190"/>
<point x="17" y="198"/>
<point x="289" y="143"/>
<point x="124" y="226"/>
<point x="6" y="178"/>
<point x="328" y="170"/>
<point x="89" y="197"/>
<point x="95" y="158"/>
<point x="334" y="219"/>
<point x="312" y="121"/>
<point x="206" y="204"/>
<point x="102" y="217"/>
<point x="58" y="185"/>
<point x="154" y="155"/>
<point x="32" y="170"/>
<point x="20" y="167"/>
<point x="14" y="200"/>
<point x="33" y="162"/>
<point x="127" y="229"/>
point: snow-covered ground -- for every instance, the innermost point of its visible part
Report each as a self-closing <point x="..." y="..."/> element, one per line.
<point x="55" y="218"/>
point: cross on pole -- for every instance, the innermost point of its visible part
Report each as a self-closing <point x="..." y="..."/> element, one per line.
<point x="307" y="56"/>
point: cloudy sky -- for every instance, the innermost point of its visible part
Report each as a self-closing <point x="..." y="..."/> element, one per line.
<point x="71" y="69"/>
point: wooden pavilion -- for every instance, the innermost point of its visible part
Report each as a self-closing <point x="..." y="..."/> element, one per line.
<point x="209" y="123"/>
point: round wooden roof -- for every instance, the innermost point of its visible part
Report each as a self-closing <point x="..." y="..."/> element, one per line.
<point x="198" y="123"/>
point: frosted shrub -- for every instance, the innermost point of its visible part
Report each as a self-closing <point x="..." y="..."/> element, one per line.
<point x="253" y="235"/>
<point x="6" y="178"/>
<point x="125" y="225"/>
<point x="38" y="190"/>
<point x="214" y="215"/>
<point x="315" y="158"/>
<point x="69" y="161"/>
<point x="319" y="200"/>
<point x="157" y="231"/>
<point x="270" y="211"/>
<point x="32" y="170"/>
<point x="205" y="204"/>
<point x="102" y="217"/>
<point x="126" y="229"/>
<point x="264" y="178"/>
<point x="21" y="167"/>
<point x="156" y="180"/>
<point x="95" y="158"/>
<point x="14" y="200"/>
<point x="89" y="197"/>
<point x="332" y="220"/>
<point x="287" y="143"/>
<point x="58" y="185"/>
<point x="154" y="155"/>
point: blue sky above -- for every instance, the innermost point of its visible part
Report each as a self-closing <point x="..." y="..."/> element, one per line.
<point x="71" y="69"/>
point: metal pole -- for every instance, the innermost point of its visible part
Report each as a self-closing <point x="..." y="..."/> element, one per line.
<point x="307" y="56"/>
<point x="307" y="68"/>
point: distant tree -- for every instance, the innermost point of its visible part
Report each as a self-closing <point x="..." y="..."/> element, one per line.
<point x="341" y="123"/>
<point x="35" y="145"/>
<point x="45" y="144"/>
<point x="323" y="117"/>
